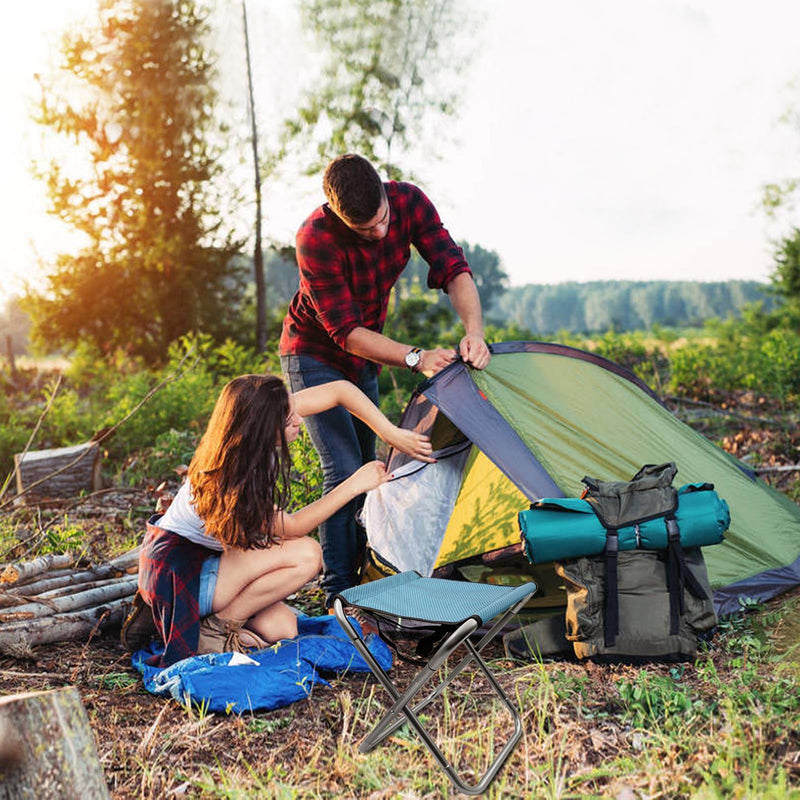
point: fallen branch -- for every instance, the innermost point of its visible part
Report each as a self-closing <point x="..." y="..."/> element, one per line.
<point x="128" y="561"/>
<point x="781" y="468"/>
<point x="70" y="578"/>
<point x="62" y="627"/>
<point x="74" y="588"/>
<point x="725" y="412"/>
<point x="72" y="602"/>
<point x="17" y="574"/>
<point x="8" y="600"/>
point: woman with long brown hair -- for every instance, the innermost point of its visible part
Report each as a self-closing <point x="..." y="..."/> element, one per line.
<point x="217" y="566"/>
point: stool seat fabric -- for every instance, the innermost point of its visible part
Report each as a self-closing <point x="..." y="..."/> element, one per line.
<point x="408" y="595"/>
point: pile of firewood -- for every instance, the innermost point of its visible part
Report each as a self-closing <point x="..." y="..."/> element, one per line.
<point x="59" y="598"/>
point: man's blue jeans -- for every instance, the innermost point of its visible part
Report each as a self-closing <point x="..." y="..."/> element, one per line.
<point x="343" y="443"/>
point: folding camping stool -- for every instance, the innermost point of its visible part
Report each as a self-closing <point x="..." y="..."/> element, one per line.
<point x="458" y="609"/>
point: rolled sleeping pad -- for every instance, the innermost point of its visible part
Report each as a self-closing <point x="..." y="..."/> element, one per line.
<point x="564" y="527"/>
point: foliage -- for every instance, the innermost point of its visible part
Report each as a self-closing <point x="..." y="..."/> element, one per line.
<point x="156" y="261"/>
<point x="389" y="67"/>
<point x="786" y="277"/>
<point x="742" y="357"/>
<point x="170" y="450"/>
<point x="98" y="392"/>
<point x="306" y="472"/>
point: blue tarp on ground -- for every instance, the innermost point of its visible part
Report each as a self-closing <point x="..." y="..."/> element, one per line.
<point x="265" y="679"/>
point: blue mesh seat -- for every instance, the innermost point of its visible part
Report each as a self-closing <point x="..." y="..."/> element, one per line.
<point x="458" y="609"/>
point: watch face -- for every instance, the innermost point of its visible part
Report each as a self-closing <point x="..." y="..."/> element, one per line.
<point x="412" y="358"/>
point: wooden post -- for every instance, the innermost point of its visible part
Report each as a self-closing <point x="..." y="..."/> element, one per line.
<point x="48" y="748"/>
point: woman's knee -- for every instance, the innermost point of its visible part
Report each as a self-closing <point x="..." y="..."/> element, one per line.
<point x="309" y="555"/>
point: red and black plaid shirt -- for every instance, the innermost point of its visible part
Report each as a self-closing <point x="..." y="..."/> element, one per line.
<point x="346" y="280"/>
<point x="169" y="581"/>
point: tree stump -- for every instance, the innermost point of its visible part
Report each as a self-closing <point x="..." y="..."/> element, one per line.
<point x="63" y="471"/>
<point x="47" y="749"/>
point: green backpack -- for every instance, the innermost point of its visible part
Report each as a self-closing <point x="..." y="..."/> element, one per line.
<point x="626" y="602"/>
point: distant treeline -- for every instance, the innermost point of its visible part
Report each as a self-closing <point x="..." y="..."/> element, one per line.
<point x="623" y="305"/>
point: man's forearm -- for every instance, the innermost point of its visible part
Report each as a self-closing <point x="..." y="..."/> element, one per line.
<point x="375" y="346"/>
<point x="466" y="302"/>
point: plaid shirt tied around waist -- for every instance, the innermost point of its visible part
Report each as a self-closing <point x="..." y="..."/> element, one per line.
<point x="169" y="581"/>
<point x="346" y="280"/>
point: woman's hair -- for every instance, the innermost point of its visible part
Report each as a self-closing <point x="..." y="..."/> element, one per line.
<point x="239" y="474"/>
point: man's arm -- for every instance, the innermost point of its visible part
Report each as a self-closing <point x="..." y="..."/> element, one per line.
<point x="467" y="304"/>
<point x="377" y="347"/>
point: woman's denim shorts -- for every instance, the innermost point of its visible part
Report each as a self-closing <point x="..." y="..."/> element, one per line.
<point x="208" y="582"/>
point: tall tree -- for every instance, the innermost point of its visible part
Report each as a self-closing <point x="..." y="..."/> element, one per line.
<point x="491" y="279"/>
<point x="786" y="276"/>
<point x="137" y="98"/>
<point x="390" y="63"/>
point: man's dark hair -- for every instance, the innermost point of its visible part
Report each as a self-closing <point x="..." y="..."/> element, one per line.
<point x="353" y="188"/>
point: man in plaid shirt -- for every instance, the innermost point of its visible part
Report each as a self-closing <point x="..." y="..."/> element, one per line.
<point x="350" y="253"/>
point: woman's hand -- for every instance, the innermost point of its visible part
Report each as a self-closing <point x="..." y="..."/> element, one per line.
<point x="411" y="443"/>
<point x="368" y="477"/>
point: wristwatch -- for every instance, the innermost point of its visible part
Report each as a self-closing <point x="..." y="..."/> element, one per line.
<point x="413" y="357"/>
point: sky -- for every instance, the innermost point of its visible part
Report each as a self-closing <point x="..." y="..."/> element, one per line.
<point x="628" y="139"/>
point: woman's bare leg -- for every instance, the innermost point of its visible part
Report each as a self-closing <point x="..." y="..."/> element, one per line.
<point x="253" y="583"/>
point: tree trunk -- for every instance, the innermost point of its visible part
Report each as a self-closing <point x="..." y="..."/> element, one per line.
<point x="47" y="750"/>
<point x="60" y="472"/>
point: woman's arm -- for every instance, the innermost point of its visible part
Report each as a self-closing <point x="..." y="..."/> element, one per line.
<point x="302" y="522"/>
<point x="343" y="393"/>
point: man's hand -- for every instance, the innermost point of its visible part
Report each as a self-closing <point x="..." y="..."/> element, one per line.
<point x="474" y="351"/>
<point x="433" y="361"/>
<point x="413" y="444"/>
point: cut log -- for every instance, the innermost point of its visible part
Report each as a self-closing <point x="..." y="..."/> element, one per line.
<point x="51" y="751"/>
<point x="60" y="472"/>
<point x="73" y="626"/>
<point x="17" y="574"/>
<point x="72" y="602"/>
<point x="74" y="588"/>
<point x="71" y="578"/>
<point x="8" y="600"/>
<point x="128" y="561"/>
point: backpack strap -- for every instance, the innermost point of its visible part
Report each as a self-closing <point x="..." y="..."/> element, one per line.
<point x="611" y="623"/>
<point x="679" y="577"/>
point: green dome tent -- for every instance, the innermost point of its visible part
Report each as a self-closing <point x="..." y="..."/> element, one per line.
<point x="536" y="421"/>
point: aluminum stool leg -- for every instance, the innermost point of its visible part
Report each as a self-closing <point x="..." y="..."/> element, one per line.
<point x="392" y="719"/>
<point x="487" y="637"/>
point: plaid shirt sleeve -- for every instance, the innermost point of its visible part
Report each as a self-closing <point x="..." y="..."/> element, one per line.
<point x="323" y="279"/>
<point x="433" y="241"/>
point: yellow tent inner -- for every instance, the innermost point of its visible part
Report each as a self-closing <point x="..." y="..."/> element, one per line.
<point x="485" y="514"/>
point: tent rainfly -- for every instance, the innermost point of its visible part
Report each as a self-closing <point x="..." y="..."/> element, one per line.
<point x="531" y="425"/>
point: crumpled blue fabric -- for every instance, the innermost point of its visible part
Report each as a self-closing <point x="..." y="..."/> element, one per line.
<point x="264" y="679"/>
